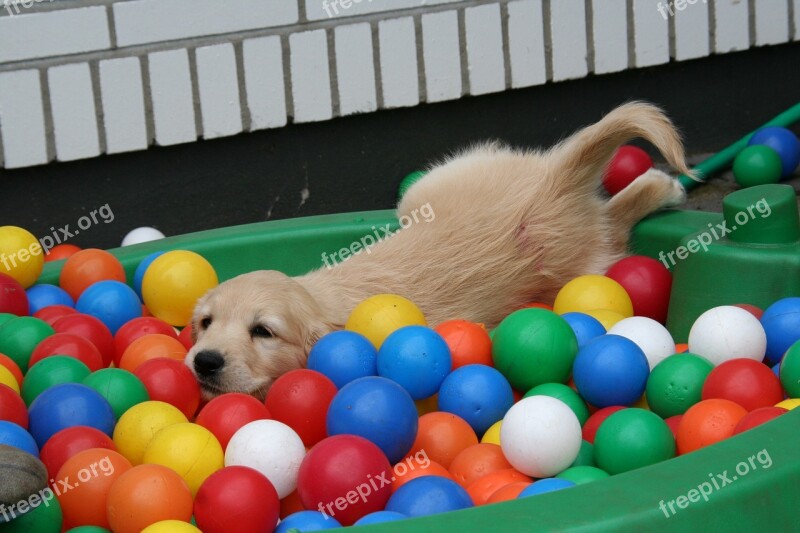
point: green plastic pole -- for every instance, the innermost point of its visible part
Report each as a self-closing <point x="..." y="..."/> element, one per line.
<point x="723" y="159"/>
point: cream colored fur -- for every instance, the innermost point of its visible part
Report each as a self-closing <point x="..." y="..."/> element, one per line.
<point x="510" y="227"/>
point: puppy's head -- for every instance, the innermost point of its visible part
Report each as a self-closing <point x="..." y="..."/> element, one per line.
<point x="250" y="330"/>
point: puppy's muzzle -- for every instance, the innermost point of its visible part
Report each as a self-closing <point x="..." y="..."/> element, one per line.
<point x="208" y="363"/>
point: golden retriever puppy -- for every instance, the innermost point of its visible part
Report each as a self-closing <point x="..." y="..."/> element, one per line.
<point x="485" y="232"/>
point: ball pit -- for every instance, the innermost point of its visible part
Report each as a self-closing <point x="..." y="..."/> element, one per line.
<point x="225" y="414"/>
<point x="611" y="370"/>
<point x="630" y="439"/>
<point x="44" y="295"/>
<point x="429" y="495"/>
<point x="727" y="332"/>
<point x="478" y="394"/>
<point x="300" y="399"/>
<point x="236" y="498"/>
<point x="344" y="356"/>
<point x="493" y="480"/>
<point x="380" y="315"/>
<point x="86" y="268"/>
<point x="417" y="358"/>
<point x="173" y="282"/>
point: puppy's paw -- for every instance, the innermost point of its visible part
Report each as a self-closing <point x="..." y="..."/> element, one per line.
<point x="667" y="190"/>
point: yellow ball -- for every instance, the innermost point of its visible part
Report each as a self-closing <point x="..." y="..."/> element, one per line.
<point x="174" y="282"/>
<point x="189" y="449"/>
<point x="427" y="405"/>
<point x="171" y="526"/>
<point x="492" y="435"/>
<point x="641" y="403"/>
<point x="7" y="378"/>
<point x="380" y="315"/>
<point x="606" y="317"/>
<point x="789" y="403"/>
<point x="139" y="424"/>
<point x="21" y="255"/>
<point x="586" y="293"/>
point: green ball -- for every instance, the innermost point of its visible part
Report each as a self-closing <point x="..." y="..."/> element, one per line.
<point x="408" y="181"/>
<point x="565" y="394"/>
<point x="632" y="438"/>
<point x="757" y="165"/>
<point x="790" y="371"/>
<point x="46" y="517"/>
<point x="50" y="371"/>
<point x="121" y="388"/>
<point x="585" y="455"/>
<point x="5" y="317"/>
<point x="534" y="346"/>
<point x="676" y="384"/>
<point x="581" y="475"/>
<point x="19" y="336"/>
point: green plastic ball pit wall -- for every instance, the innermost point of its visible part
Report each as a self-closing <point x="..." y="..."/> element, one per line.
<point x="757" y="264"/>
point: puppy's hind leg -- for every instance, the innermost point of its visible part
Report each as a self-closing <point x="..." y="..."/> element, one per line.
<point x="650" y="192"/>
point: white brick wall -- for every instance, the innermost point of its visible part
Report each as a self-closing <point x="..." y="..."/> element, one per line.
<point x="123" y="74"/>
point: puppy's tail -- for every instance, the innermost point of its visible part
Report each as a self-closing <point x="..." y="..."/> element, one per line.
<point x="585" y="155"/>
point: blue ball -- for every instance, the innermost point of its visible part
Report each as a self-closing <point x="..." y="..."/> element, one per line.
<point x="784" y="142"/>
<point x="138" y="276"/>
<point x="377" y="409"/>
<point x="112" y="302"/>
<point x="479" y="394"/>
<point x="610" y="370"/>
<point x="776" y="369"/>
<point x="428" y="495"/>
<point x="417" y="358"/>
<point x="586" y="327"/>
<point x="40" y="296"/>
<point x="781" y="323"/>
<point x="379" y="517"/>
<point x="307" y="521"/>
<point x="343" y="356"/>
<point x="548" y="484"/>
<point x="15" y="435"/>
<point x="66" y="405"/>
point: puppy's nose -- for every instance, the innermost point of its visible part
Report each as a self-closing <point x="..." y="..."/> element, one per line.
<point x="208" y="362"/>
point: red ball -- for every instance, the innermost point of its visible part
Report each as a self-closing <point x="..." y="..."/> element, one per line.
<point x="13" y="298"/>
<point x="91" y="329"/>
<point x="225" y="414"/>
<point x="139" y="327"/>
<point x="752" y="309"/>
<point x="300" y="399"/>
<point x="749" y="383"/>
<point x="592" y="423"/>
<point x="69" y="442"/>
<point x="756" y="417"/>
<point x="51" y="313"/>
<point x="237" y="498"/>
<point x="346" y="476"/>
<point x="71" y="345"/>
<point x="647" y="282"/>
<point x="170" y="381"/>
<point x="627" y="164"/>
<point x="673" y="422"/>
<point x="61" y="251"/>
<point x="12" y="407"/>
<point x="185" y="336"/>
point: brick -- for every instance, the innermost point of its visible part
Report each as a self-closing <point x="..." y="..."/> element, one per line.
<point x="330" y="9"/>
<point x="264" y="84"/>
<point x="74" y="113"/>
<point x="610" y="35"/>
<point x="311" y="87"/>
<point x="568" y="32"/>
<point x="526" y="43"/>
<point x="691" y="31"/>
<point x="22" y="119"/>
<point x="772" y="22"/>
<point x="171" y="94"/>
<point x="650" y="34"/>
<point x="484" y="34"/>
<point x="398" y="58"/>
<point x="732" y="26"/>
<point x="442" y="56"/>
<point x="218" y="87"/>
<point x="122" y="97"/>
<point x="355" y="69"/>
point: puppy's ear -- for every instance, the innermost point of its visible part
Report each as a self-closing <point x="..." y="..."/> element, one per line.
<point x="581" y="158"/>
<point x="315" y="330"/>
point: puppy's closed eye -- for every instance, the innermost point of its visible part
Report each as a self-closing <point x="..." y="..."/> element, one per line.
<point x="205" y="322"/>
<point x="261" y="331"/>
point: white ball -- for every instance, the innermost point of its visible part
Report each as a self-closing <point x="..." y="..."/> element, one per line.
<point x="649" y="335"/>
<point x="540" y="436"/>
<point x="140" y="235"/>
<point x="727" y="332"/>
<point x="272" y="448"/>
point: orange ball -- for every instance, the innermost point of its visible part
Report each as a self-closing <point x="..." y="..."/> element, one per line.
<point x="12" y="367"/>
<point x="62" y="251"/>
<point x="481" y="490"/>
<point x="538" y="305"/>
<point x="468" y="341"/>
<point x="442" y="436"/>
<point x="708" y="422"/>
<point x="83" y="483"/>
<point x="149" y="347"/>
<point x="477" y="461"/>
<point x="432" y="469"/>
<point x="509" y="492"/>
<point x="87" y="267"/>
<point x="291" y="504"/>
<point x="681" y="347"/>
<point x="147" y="494"/>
